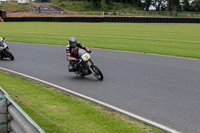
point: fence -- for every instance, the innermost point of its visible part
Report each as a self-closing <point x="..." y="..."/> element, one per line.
<point x="104" y="19"/>
<point x="111" y="13"/>
<point x="135" y="13"/>
<point x="13" y="118"/>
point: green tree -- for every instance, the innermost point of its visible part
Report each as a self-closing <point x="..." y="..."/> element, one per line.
<point x="173" y="6"/>
<point x="147" y="4"/>
<point x="104" y="5"/>
<point x="186" y="5"/>
<point x="159" y="5"/>
<point x="195" y="5"/>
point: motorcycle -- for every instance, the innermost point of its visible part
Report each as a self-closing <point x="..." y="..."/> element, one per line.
<point x="4" y="51"/>
<point x="85" y="66"/>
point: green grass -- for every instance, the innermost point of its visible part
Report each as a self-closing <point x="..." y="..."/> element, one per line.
<point x="56" y="112"/>
<point x="14" y="6"/>
<point x="167" y="39"/>
<point x="77" y="6"/>
<point x="81" y="6"/>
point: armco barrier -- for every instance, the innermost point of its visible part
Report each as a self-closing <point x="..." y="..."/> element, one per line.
<point x="104" y="19"/>
<point x="13" y="119"/>
<point x="3" y="114"/>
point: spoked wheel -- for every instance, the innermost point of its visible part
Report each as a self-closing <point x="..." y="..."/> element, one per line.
<point x="97" y="72"/>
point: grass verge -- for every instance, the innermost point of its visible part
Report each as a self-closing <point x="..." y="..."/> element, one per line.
<point x="81" y="6"/>
<point x="59" y="112"/>
<point x="167" y="39"/>
<point x="14" y="6"/>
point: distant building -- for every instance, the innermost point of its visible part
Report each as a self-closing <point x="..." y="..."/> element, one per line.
<point x="23" y="1"/>
<point x="1" y="1"/>
<point x="18" y="1"/>
<point x="152" y="8"/>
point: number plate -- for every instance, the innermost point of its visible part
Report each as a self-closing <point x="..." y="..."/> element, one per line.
<point x="86" y="56"/>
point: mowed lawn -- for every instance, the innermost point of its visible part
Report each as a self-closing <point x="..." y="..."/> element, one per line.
<point x="168" y="39"/>
<point x="58" y="112"/>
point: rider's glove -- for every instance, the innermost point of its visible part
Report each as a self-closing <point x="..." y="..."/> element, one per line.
<point x="89" y="51"/>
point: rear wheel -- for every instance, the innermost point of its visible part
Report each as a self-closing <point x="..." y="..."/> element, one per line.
<point x="97" y="72"/>
<point x="1" y="55"/>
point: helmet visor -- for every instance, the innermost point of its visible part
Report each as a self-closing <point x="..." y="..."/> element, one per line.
<point x="73" y="44"/>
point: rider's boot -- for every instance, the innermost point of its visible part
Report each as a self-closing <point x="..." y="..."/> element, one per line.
<point x="70" y="67"/>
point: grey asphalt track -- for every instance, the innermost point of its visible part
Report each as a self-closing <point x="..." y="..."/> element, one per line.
<point x="160" y="88"/>
<point x="48" y="8"/>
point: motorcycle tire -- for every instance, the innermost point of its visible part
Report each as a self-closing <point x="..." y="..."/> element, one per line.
<point x="1" y="56"/>
<point x="9" y="54"/>
<point x="97" y="72"/>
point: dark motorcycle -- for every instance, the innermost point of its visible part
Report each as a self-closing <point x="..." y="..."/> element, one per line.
<point x="85" y="66"/>
<point x="4" y="51"/>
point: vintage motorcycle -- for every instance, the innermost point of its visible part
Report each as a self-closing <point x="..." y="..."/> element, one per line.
<point x="4" y="51"/>
<point x="85" y="66"/>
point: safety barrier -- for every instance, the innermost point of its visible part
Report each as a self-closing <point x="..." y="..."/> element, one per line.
<point x="104" y="19"/>
<point x="13" y="118"/>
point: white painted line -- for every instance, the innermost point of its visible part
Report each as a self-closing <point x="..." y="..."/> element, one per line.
<point x="149" y="122"/>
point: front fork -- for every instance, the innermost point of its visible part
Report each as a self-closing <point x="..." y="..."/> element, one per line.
<point x="3" y="52"/>
<point x="90" y="63"/>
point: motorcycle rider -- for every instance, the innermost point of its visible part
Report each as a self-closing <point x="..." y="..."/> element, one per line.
<point x="72" y="52"/>
<point x="1" y="45"/>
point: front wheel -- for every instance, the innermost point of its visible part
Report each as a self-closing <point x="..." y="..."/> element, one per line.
<point x="9" y="55"/>
<point x="97" y="72"/>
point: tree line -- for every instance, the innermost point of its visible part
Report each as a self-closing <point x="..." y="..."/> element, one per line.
<point x="160" y="5"/>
